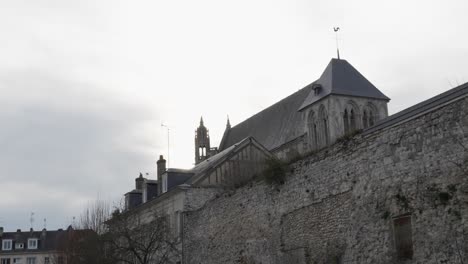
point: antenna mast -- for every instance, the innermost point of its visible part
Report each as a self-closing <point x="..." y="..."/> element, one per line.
<point x="168" y="130"/>
<point x="336" y="29"/>
<point x="31" y="219"/>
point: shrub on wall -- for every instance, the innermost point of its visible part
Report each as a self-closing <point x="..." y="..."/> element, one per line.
<point x="275" y="171"/>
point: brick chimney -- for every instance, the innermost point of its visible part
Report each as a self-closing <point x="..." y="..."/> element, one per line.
<point x="161" y="163"/>
<point x="139" y="182"/>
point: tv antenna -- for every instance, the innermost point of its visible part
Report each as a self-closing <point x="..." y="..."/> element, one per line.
<point x="31" y="219"/>
<point x="168" y="130"/>
<point x="336" y="29"/>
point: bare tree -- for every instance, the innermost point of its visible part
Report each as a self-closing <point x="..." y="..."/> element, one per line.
<point x="82" y="246"/>
<point x="83" y="242"/>
<point x="131" y="240"/>
<point x="94" y="216"/>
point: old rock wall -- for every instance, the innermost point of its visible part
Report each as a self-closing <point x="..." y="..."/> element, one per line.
<point x="338" y="205"/>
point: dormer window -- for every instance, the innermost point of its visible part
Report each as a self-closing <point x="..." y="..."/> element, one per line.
<point x="32" y="243"/>
<point x="7" y="244"/>
<point x="19" y="245"/>
<point x="317" y="88"/>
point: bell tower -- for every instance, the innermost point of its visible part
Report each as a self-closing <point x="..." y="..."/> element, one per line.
<point x="202" y="143"/>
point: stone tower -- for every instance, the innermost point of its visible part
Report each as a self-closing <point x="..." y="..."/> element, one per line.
<point x="202" y="143"/>
<point x="340" y="102"/>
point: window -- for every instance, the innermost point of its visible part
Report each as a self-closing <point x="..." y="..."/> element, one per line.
<point x="60" y="260"/>
<point x="31" y="260"/>
<point x="317" y="90"/>
<point x="7" y="244"/>
<point x="17" y="261"/>
<point x="312" y="127"/>
<point x="46" y="260"/>
<point x="5" y="261"/>
<point x="371" y="118"/>
<point x="346" y="121"/>
<point x="19" y="245"/>
<point x="325" y="130"/>
<point x="32" y="243"/>
<point x="352" y="120"/>
<point x="202" y="151"/>
<point x="178" y="224"/>
<point x="403" y="236"/>
<point x="364" y="119"/>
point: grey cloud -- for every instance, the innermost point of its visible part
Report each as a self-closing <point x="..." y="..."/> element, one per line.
<point x="62" y="144"/>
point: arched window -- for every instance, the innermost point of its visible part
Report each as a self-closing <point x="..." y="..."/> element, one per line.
<point x="352" y="120"/>
<point x="351" y="117"/>
<point x="202" y="152"/>
<point x="325" y="130"/>
<point x="346" y="121"/>
<point x="323" y="117"/>
<point x="312" y="130"/>
<point x="365" y="119"/>
<point x="369" y="118"/>
<point x="315" y="139"/>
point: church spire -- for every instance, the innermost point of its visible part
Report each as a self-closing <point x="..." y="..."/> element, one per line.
<point x="228" y="125"/>
<point x="202" y="143"/>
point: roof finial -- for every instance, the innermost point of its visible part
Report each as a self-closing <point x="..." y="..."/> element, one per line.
<point x="336" y="35"/>
<point x="228" y="125"/>
<point x="201" y="121"/>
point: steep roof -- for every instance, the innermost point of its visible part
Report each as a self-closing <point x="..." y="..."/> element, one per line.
<point x="282" y="122"/>
<point x="272" y="127"/>
<point x="201" y="169"/>
<point x="342" y="78"/>
<point x="47" y="240"/>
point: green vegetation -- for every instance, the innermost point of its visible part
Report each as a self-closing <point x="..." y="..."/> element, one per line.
<point x="275" y="171"/>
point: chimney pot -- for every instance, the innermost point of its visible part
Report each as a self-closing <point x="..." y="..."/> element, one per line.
<point x="161" y="164"/>
<point x="139" y="182"/>
<point x="18" y="230"/>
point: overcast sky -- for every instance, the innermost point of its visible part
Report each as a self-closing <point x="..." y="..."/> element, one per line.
<point x="86" y="84"/>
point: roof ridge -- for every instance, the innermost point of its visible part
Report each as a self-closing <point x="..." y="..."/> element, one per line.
<point x="221" y="147"/>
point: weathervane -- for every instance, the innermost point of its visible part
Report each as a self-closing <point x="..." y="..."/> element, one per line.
<point x="336" y="35"/>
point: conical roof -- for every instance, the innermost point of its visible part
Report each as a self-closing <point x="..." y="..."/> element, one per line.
<point x="342" y="78"/>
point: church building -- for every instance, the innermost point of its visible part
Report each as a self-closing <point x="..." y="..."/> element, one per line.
<point x="339" y="103"/>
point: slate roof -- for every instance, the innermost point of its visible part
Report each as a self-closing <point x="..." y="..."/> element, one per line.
<point x="50" y="242"/>
<point x="272" y="127"/>
<point x="342" y="78"/>
<point x="205" y="166"/>
<point x="282" y="122"/>
<point x="420" y="108"/>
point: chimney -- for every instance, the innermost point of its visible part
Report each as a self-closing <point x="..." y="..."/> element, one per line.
<point x="43" y="233"/>
<point x="139" y="182"/>
<point x="1" y="231"/>
<point x="161" y="163"/>
<point x="18" y="230"/>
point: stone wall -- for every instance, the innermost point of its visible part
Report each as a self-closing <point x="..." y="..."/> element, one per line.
<point x="338" y="205"/>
